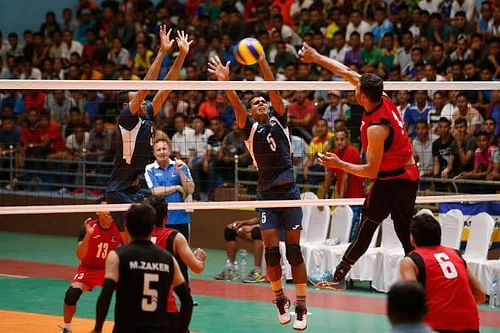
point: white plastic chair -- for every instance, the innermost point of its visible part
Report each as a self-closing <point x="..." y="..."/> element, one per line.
<point x="452" y="225"/>
<point x="481" y="228"/>
<point x="424" y="211"/>
<point x="486" y="271"/>
<point x="341" y="224"/>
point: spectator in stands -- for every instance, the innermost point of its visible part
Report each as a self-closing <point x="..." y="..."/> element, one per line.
<point x="247" y="230"/>
<point x="357" y="24"/>
<point x="14" y="49"/>
<point x="71" y="44"/>
<point x="465" y="145"/>
<point x="347" y="185"/>
<point x="302" y="114"/>
<point x="208" y="109"/>
<point x="444" y="154"/>
<point x="183" y="138"/>
<point x="382" y="24"/>
<point x="470" y="114"/>
<point x="10" y="136"/>
<point x="335" y="108"/>
<point x="98" y="151"/>
<point x="340" y="48"/>
<point x="118" y="55"/>
<point x="58" y="50"/>
<point x="419" y="110"/>
<point x="75" y="119"/>
<point x="371" y="55"/>
<point x="318" y="145"/>
<point x="210" y="163"/>
<point x="406" y="308"/>
<point x="495" y="173"/>
<point x="300" y="153"/>
<point x="122" y="30"/>
<point x="142" y="60"/>
<point x="403" y="99"/>
<point x="232" y="144"/>
<point x="78" y="142"/>
<point x="489" y="127"/>
<point x="35" y="99"/>
<point x="422" y="149"/>
<point x="388" y="52"/>
<point x="409" y="72"/>
<point x="438" y="102"/>
<point x="29" y="72"/>
<point x="403" y="54"/>
<point x="353" y="56"/>
<point x="59" y="104"/>
<point x="14" y="100"/>
<point x="195" y="162"/>
<point x="69" y="22"/>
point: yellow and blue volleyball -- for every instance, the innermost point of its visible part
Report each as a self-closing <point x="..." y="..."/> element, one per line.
<point x="248" y="51"/>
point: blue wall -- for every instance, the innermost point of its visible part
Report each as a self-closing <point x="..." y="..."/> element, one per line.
<point x="20" y="15"/>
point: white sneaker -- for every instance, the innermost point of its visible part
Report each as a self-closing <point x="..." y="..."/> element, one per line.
<point x="300" y="322"/>
<point x="283" y="306"/>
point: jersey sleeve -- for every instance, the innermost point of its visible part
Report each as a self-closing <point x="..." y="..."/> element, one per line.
<point x="151" y="180"/>
<point x="248" y="127"/>
<point x="127" y="120"/>
<point x="187" y="172"/>
<point x="419" y="262"/>
<point x="283" y="119"/>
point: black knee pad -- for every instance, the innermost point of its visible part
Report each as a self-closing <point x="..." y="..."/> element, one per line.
<point x="256" y="233"/>
<point x="229" y="235"/>
<point x="72" y="296"/>
<point x="293" y="254"/>
<point x="273" y="256"/>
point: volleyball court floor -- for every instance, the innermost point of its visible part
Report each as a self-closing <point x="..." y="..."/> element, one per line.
<point x="35" y="271"/>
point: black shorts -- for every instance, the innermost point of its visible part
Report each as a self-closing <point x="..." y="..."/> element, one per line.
<point x="393" y="196"/>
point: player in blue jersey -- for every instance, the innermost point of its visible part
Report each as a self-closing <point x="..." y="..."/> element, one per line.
<point x="134" y="134"/>
<point x="268" y="141"/>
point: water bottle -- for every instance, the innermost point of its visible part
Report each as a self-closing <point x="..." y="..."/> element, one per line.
<point x="494" y="293"/>
<point x="228" y="268"/>
<point x="243" y="264"/>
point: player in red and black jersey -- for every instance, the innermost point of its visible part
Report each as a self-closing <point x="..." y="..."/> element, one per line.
<point x="389" y="160"/>
<point x="98" y="236"/>
<point x="452" y="289"/>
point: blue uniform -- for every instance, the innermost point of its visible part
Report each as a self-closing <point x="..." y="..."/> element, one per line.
<point x="157" y="176"/>
<point x="271" y="150"/>
<point x="134" y="137"/>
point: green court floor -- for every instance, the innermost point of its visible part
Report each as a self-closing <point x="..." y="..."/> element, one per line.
<point x="213" y="315"/>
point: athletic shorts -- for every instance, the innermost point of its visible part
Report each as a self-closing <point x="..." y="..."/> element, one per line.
<point x="89" y="277"/>
<point x="393" y="196"/>
<point x="280" y="218"/>
<point x="122" y="197"/>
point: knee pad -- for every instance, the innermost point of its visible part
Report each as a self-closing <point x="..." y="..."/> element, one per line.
<point x="293" y="254"/>
<point x="273" y="256"/>
<point x="229" y="235"/>
<point x="256" y="233"/>
<point x="72" y="296"/>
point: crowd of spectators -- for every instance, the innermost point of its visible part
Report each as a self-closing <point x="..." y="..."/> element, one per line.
<point x="455" y="134"/>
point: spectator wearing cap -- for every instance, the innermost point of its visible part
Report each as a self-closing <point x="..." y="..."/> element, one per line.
<point x="335" y="108"/>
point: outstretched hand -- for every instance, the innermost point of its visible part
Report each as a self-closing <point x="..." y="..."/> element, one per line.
<point x="165" y="42"/>
<point x="217" y="69"/>
<point x="308" y="54"/>
<point x="329" y="160"/>
<point x="183" y="42"/>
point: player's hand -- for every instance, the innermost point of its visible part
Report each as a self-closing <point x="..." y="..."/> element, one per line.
<point x="330" y="160"/>
<point x="200" y="254"/>
<point x="179" y="164"/>
<point x="89" y="229"/>
<point x="444" y="173"/>
<point x="216" y="68"/>
<point x="235" y="225"/>
<point x="179" y="188"/>
<point x="183" y="42"/>
<point x="308" y="54"/>
<point x="165" y="42"/>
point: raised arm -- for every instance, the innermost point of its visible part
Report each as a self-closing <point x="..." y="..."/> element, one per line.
<point x="310" y="55"/>
<point x="173" y="74"/>
<point x="221" y="72"/>
<point x="274" y="95"/>
<point x="154" y="70"/>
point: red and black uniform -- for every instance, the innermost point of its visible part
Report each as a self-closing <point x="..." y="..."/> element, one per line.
<point x="91" y="269"/>
<point x="450" y="302"/>
<point x="395" y="188"/>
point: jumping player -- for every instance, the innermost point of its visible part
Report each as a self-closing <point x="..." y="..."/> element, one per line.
<point x="142" y="274"/>
<point x="135" y="132"/>
<point x="268" y="141"/>
<point x="389" y="160"/>
<point x="97" y="238"/>
<point x="452" y="289"/>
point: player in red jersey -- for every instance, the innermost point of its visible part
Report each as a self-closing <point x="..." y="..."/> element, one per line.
<point x="97" y="238"/>
<point x="452" y="289"/>
<point x="389" y="160"/>
<point x="174" y="242"/>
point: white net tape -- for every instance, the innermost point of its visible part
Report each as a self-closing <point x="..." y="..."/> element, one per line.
<point x="236" y="85"/>
<point x="17" y="210"/>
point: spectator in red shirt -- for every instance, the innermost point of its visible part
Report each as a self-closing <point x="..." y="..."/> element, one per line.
<point x="208" y="109"/>
<point x="348" y="185"/>
<point x="303" y="115"/>
<point x="34" y="99"/>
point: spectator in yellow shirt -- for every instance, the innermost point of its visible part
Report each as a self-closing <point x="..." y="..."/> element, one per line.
<point x="318" y="145"/>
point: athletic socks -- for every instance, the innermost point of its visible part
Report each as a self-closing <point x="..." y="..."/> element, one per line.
<point x="277" y="288"/>
<point x="301" y="291"/>
<point x="341" y="271"/>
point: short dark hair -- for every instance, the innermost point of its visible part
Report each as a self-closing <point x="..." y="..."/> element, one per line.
<point x="343" y="130"/>
<point x="461" y="121"/>
<point x="372" y="86"/>
<point x="249" y="103"/>
<point x="444" y="120"/>
<point x="406" y="302"/>
<point x="161" y="208"/>
<point x="425" y="230"/>
<point x="140" y="220"/>
<point x="462" y="94"/>
<point x="481" y="133"/>
<point x="422" y="121"/>
<point x="460" y="13"/>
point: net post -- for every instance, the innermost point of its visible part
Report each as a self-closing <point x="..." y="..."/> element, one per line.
<point x="236" y="185"/>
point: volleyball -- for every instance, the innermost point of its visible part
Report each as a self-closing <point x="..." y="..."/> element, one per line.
<point x="248" y="51"/>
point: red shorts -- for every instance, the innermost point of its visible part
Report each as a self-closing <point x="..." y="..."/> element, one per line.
<point x="89" y="277"/>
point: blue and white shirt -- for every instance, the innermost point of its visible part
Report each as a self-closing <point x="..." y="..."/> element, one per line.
<point x="157" y="176"/>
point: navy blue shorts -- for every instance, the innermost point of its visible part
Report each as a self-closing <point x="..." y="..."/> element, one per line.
<point x="120" y="197"/>
<point x="280" y="218"/>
